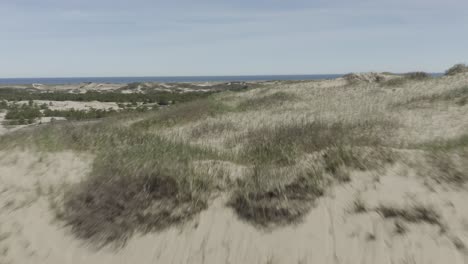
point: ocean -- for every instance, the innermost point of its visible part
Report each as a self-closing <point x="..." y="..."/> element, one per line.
<point x="167" y="79"/>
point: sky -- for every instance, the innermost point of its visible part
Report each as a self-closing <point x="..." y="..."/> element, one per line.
<point x="84" y="38"/>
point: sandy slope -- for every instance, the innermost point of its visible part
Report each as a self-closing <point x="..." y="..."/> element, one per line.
<point x="330" y="233"/>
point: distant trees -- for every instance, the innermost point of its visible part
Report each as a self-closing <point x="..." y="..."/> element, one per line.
<point x="118" y="97"/>
<point x="24" y="114"/>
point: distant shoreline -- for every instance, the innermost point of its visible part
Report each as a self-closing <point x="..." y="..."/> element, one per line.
<point x="171" y="79"/>
<point x="246" y="78"/>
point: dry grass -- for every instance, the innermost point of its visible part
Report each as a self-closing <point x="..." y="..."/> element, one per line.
<point x="446" y="160"/>
<point x="359" y="206"/>
<point x="446" y="170"/>
<point x="414" y="214"/>
<point x="283" y="144"/>
<point x="265" y="198"/>
<point x="458" y="96"/>
<point x="207" y="129"/>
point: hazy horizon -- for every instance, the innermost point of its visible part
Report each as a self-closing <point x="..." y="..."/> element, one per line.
<point x="54" y="38"/>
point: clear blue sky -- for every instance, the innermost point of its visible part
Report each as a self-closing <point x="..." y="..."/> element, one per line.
<point x="69" y="38"/>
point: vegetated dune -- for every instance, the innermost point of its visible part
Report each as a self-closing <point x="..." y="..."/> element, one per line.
<point x="292" y="172"/>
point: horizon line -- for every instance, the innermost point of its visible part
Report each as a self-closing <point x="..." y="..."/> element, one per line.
<point x="201" y="76"/>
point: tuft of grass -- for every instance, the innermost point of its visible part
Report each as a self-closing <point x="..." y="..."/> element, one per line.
<point x="446" y="169"/>
<point x="400" y="227"/>
<point x="339" y="157"/>
<point x="262" y="199"/>
<point x="456" y="69"/>
<point x="141" y="188"/>
<point x="414" y="214"/>
<point x="358" y="206"/>
<point x="266" y="101"/>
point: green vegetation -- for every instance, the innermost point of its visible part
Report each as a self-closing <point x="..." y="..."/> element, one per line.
<point x="418" y="76"/>
<point x="456" y="69"/>
<point x="22" y="115"/>
<point x="27" y="114"/>
<point x="11" y="94"/>
<point x="73" y="114"/>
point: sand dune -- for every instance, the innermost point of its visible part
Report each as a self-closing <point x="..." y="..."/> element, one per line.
<point x="400" y="212"/>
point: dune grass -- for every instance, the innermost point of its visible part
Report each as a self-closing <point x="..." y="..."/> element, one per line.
<point x="142" y="181"/>
<point x="280" y="187"/>
<point x="271" y="195"/>
<point x="142" y="188"/>
<point x="144" y="177"/>
<point x="266" y="101"/>
<point x="459" y="96"/>
<point x="413" y="214"/>
<point x="183" y="113"/>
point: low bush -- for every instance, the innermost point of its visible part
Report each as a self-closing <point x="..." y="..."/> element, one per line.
<point x="73" y="114"/>
<point x="24" y="112"/>
<point x="11" y="94"/>
<point x="417" y="76"/>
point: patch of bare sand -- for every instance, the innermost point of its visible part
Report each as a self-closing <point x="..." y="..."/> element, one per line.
<point x="330" y="233"/>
